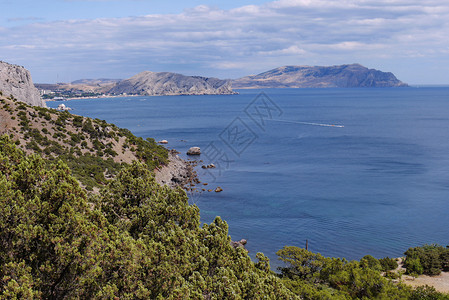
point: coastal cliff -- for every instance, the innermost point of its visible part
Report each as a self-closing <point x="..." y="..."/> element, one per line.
<point x="16" y="81"/>
<point x="166" y="83"/>
<point x="344" y="76"/>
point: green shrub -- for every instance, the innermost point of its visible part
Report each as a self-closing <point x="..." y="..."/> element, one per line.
<point x="110" y="152"/>
<point x="428" y="259"/>
<point x="45" y="114"/>
<point x="388" y="264"/>
<point x="427" y="293"/>
<point x="78" y="121"/>
<point x="369" y="262"/>
<point x="413" y="266"/>
<point x="392" y="275"/>
<point x="32" y="145"/>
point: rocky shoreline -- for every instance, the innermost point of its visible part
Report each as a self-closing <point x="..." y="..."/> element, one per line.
<point x="178" y="172"/>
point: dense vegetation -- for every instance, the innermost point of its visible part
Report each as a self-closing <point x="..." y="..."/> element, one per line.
<point x="313" y="276"/>
<point x="138" y="240"/>
<point x="428" y="259"/>
<point x="135" y="240"/>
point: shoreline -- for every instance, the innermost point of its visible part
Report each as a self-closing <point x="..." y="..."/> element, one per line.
<point x="132" y="95"/>
<point x="178" y="172"/>
<point x="92" y="97"/>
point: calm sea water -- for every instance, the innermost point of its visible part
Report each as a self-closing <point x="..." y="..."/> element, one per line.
<point x="377" y="186"/>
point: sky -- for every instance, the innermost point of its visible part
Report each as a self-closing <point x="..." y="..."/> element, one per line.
<point x="66" y="40"/>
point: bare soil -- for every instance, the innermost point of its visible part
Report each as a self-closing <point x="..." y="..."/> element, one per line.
<point x="439" y="282"/>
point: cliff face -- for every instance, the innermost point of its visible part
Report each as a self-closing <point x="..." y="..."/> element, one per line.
<point x="344" y="76"/>
<point x="16" y="80"/>
<point x="165" y="83"/>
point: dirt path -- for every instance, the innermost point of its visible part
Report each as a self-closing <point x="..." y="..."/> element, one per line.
<point x="440" y="282"/>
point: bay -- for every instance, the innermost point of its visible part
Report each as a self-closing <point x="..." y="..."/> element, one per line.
<point x="377" y="186"/>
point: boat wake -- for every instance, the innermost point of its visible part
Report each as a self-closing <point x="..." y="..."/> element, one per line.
<point x="309" y="123"/>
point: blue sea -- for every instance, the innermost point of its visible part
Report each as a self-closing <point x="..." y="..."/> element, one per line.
<point x="353" y="171"/>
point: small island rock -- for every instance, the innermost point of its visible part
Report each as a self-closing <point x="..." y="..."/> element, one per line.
<point x="194" y="151"/>
<point x="218" y="189"/>
<point x="163" y="142"/>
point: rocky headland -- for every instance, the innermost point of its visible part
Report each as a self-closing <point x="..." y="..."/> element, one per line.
<point x="16" y="81"/>
<point x="343" y="76"/>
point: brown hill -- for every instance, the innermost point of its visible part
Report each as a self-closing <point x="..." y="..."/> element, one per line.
<point x="167" y="83"/>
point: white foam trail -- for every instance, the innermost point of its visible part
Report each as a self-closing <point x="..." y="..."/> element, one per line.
<point x="309" y="123"/>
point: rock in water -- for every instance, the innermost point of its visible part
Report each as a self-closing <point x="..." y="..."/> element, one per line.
<point x="218" y="189"/>
<point x="194" y="151"/>
<point x="16" y="80"/>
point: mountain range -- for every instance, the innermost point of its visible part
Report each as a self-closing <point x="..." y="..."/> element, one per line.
<point x="166" y="83"/>
<point x="16" y="81"/>
<point x="148" y="84"/>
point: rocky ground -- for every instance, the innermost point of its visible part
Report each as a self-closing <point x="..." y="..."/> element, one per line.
<point x="177" y="173"/>
<point x="439" y="282"/>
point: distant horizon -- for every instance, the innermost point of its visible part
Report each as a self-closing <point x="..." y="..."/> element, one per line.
<point x="62" y="41"/>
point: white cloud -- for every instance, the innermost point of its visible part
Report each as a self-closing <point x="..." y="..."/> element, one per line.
<point x="292" y="50"/>
<point x="205" y="40"/>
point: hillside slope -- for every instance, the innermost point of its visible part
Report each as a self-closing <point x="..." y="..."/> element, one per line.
<point x="93" y="149"/>
<point x="344" y="76"/>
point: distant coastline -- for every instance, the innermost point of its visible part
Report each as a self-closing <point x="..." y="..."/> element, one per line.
<point x="173" y="84"/>
<point x="91" y="97"/>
